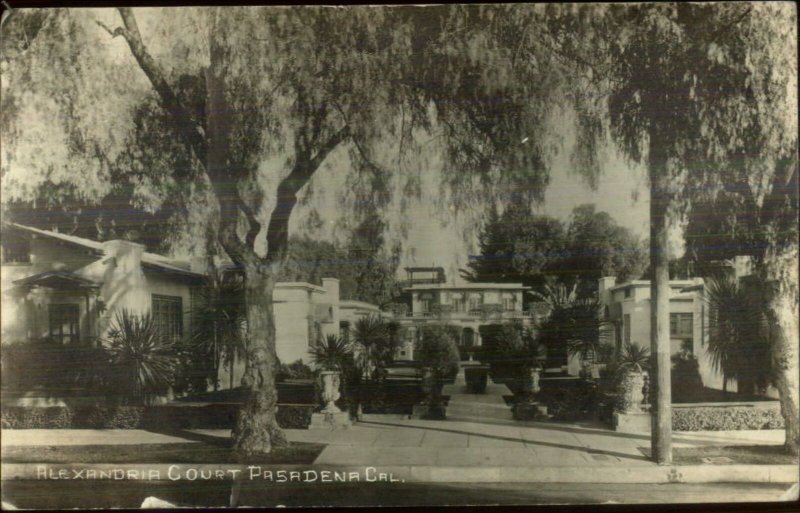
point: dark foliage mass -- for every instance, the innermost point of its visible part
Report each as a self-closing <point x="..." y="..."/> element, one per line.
<point x="523" y="247"/>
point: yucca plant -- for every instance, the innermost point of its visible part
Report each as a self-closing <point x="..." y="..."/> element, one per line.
<point x="738" y="345"/>
<point x="332" y="353"/>
<point x="574" y="326"/>
<point x="219" y="325"/>
<point x="144" y="358"/>
<point x="634" y="358"/>
<point x="374" y="345"/>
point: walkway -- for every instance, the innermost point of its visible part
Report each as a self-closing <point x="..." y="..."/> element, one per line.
<point x="396" y="441"/>
<point x="486" y="407"/>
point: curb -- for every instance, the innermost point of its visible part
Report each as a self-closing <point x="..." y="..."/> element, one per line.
<point x="403" y="473"/>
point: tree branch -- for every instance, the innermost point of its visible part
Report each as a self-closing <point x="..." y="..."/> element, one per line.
<point x="187" y="128"/>
<point x="303" y="170"/>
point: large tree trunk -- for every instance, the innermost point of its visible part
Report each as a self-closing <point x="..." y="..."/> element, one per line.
<point x="660" y="383"/>
<point x="257" y="430"/>
<point x="781" y="302"/>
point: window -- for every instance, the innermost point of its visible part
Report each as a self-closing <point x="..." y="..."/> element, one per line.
<point x="168" y="316"/>
<point x="628" y="292"/>
<point x="16" y="250"/>
<point x="459" y="303"/>
<point x="680" y="325"/>
<point x="65" y="323"/>
<point x="509" y="301"/>
<point x="344" y="330"/>
<point x="626" y="328"/>
<point x="475" y="301"/>
<point x="425" y="303"/>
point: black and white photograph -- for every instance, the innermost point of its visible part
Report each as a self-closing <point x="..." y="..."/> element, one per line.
<point x="399" y="255"/>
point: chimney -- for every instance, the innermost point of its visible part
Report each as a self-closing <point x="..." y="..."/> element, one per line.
<point x="331" y="286"/>
<point x="124" y="283"/>
<point x="603" y="285"/>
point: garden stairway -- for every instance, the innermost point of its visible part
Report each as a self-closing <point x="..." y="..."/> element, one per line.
<point x="464" y="405"/>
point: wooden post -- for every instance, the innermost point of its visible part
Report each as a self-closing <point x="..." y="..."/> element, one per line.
<point x="660" y="382"/>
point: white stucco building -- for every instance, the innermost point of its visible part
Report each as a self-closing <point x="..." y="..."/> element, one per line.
<point x="466" y="306"/>
<point x="69" y="289"/>
<point x="627" y="306"/>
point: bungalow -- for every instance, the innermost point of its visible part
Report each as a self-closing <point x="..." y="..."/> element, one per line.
<point x="69" y="289"/>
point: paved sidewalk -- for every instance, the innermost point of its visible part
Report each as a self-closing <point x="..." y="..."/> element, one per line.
<point x="397" y="441"/>
<point x="449" y="451"/>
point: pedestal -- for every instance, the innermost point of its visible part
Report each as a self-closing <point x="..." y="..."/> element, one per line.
<point x="530" y="411"/>
<point x="330" y="420"/>
<point x="631" y="422"/>
<point x="426" y="411"/>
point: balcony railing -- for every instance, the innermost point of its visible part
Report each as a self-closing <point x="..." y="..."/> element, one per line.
<point x="472" y="314"/>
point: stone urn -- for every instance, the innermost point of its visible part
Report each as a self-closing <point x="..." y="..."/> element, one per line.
<point x="536" y="374"/>
<point x="330" y="381"/>
<point x="630" y="392"/>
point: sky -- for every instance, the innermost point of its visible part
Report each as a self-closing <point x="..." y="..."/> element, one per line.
<point x="435" y="233"/>
<point x="622" y="192"/>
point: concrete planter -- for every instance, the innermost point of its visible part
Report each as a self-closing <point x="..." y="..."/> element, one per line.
<point x="331" y="417"/>
<point x="630" y="392"/>
<point x="330" y="381"/>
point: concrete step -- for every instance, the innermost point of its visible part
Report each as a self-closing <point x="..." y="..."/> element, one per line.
<point x="480" y="412"/>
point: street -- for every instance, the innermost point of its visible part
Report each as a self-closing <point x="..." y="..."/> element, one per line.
<point x="131" y="494"/>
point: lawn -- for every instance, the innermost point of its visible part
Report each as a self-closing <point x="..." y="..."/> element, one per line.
<point x="734" y="454"/>
<point x="298" y="453"/>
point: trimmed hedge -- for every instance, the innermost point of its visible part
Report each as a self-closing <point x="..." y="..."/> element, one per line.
<point x="726" y="418"/>
<point x="214" y="416"/>
<point x="477" y="379"/>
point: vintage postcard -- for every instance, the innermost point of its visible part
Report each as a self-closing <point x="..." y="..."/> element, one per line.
<point x="505" y="254"/>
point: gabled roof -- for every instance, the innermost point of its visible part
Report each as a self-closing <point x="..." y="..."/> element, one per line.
<point x="57" y="280"/>
<point x="149" y="260"/>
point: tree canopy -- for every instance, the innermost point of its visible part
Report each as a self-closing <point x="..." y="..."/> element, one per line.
<point x="524" y="247"/>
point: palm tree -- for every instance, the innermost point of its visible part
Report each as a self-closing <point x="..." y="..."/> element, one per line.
<point x="145" y="359"/>
<point x="220" y="322"/>
<point x="574" y="325"/>
<point x="738" y="343"/>
<point x="375" y="344"/>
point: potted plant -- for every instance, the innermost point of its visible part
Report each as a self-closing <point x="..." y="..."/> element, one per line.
<point x="332" y="355"/>
<point x="437" y="352"/>
<point x="632" y="365"/>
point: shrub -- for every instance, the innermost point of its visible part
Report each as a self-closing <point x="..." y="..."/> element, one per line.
<point x="215" y="416"/>
<point x="43" y="363"/>
<point x="437" y="349"/>
<point x="295" y="370"/>
<point x="687" y="385"/>
<point x="476" y="378"/>
<point x="726" y="418"/>
<point x="29" y="417"/>
<point x="570" y="400"/>
<point x="294" y="416"/>
<point x="109" y="417"/>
